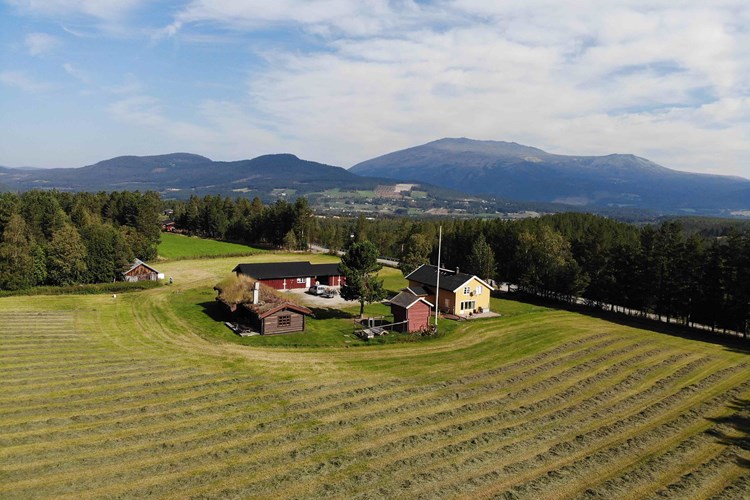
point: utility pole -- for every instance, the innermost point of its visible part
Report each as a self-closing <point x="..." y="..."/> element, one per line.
<point x="437" y="283"/>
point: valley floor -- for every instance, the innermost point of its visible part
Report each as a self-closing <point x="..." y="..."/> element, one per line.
<point x="140" y="395"/>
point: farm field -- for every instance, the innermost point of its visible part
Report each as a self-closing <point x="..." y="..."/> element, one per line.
<point x="179" y="246"/>
<point x="144" y="395"/>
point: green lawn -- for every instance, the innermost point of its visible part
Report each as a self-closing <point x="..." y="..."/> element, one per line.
<point x="178" y="246"/>
<point x="149" y="395"/>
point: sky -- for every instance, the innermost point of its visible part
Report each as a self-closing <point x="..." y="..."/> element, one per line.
<point x="340" y="82"/>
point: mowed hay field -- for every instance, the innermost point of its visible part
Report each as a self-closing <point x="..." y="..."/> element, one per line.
<point x="142" y="396"/>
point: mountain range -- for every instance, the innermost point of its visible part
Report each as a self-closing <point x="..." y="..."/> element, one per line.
<point x="510" y="170"/>
<point x="179" y="172"/>
<point x="442" y="169"/>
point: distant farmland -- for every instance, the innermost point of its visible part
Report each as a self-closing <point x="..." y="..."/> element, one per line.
<point x="140" y="396"/>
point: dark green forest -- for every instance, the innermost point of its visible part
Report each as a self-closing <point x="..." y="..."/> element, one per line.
<point x="57" y="238"/>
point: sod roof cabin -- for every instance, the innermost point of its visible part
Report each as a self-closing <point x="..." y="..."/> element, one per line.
<point x="260" y="307"/>
<point x="292" y="275"/>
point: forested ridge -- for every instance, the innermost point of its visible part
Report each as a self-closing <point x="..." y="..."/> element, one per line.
<point x="58" y="238"/>
<point x="696" y="275"/>
<point x="654" y="269"/>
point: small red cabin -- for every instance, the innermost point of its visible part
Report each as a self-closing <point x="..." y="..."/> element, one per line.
<point x="411" y="311"/>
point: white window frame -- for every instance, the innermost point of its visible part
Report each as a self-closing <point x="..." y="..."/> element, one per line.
<point x="300" y="280"/>
<point x="466" y="303"/>
<point x="467" y="290"/>
<point x="478" y="291"/>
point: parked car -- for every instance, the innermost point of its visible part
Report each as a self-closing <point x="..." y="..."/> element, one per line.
<point x="317" y="290"/>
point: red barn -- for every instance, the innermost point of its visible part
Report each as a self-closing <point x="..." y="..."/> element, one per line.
<point x="291" y="275"/>
<point x="411" y="311"/>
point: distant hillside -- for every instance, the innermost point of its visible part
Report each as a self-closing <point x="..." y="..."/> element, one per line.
<point x="183" y="173"/>
<point x="514" y="171"/>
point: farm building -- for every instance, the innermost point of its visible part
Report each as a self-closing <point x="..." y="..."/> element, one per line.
<point x="282" y="318"/>
<point x="260" y="308"/>
<point x="292" y="275"/>
<point x="140" y="271"/>
<point x="460" y="294"/>
<point x="411" y="311"/>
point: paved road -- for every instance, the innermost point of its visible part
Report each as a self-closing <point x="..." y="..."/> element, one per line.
<point x="320" y="249"/>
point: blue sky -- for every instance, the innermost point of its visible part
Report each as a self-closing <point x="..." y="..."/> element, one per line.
<point x="342" y="81"/>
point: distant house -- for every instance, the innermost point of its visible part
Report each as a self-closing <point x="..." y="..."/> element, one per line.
<point x="292" y="275"/>
<point x="140" y="271"/>
<point x="261" y="308"/>
<point x="460" y="294"/>
<point x="168" y="226"/>
<point x="410" y="312"/>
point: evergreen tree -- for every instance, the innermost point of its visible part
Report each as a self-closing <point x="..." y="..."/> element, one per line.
<point x="416" y="252"/>
<point x="481" y="259"/>
<point x="359" y="265"/>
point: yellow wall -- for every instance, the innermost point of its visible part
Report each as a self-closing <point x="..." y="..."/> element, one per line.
<point x="451" y="302"/>
<point x="481" y="299"/>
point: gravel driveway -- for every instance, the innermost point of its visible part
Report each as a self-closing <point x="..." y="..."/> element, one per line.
<point x="317" y="301"/>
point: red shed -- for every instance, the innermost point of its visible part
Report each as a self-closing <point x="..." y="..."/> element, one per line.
<point x="413" y="311"/>
<point x="291" y="275"/>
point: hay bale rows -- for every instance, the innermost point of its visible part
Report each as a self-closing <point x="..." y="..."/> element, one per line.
<point x="122" y="400"/>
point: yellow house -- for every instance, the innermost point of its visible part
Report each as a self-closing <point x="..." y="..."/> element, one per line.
<point x="460" y="294"/>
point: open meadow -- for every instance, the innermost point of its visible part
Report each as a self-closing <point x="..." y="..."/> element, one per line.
<point x="147" y="394"/>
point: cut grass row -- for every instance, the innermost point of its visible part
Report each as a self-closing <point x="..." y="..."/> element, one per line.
<point x="536" y="403"/>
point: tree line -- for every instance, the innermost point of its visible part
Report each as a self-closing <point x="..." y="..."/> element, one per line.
<point x="59" y="238"/>
<point x="700" y="275"/>
<point x="281" y="224"/>
<point x="661" y="269"/>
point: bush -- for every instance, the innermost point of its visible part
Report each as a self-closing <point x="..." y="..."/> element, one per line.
<point x="115" y="287"/>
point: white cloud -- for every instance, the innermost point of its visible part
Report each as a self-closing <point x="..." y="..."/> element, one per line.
<point x="76" y="73"/>
<point x="39" y="44"/>
<point x="667" y="82"/>
<point x="322" y="17"/>
<point x="20" y="80"/>
<point x="101" y="9"/>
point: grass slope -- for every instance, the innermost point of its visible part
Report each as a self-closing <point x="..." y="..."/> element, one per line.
<point x="178" y="246"/>
<point x="141" y="396"/>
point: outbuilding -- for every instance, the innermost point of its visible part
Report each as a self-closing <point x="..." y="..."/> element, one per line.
<point x="259" y="307"/>
<point x="281" y="318"/>
<point x="410" y="312"/>
<point x="292" y="275"/>
<point x="140" y="271"/>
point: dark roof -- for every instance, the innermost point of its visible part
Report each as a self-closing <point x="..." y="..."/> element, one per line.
<point x="406" y="300"/>
<point x="449" y="280"/>
<point x="426" y="274"/>
<point x="326" y="269"/>
<point x="417" y="290"/>
<point x="273" y="270"/>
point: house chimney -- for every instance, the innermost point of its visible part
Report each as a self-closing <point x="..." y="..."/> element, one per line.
<point x="256" y="292"/>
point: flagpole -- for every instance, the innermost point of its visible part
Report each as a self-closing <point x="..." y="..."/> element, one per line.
<point x="437" y="283"/>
